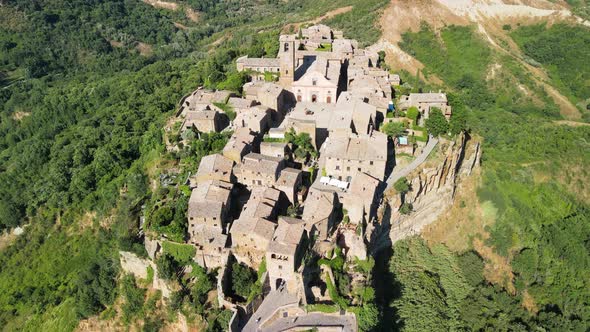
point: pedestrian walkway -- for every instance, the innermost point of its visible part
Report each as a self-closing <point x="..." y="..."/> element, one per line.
<point x="398" y="173"/>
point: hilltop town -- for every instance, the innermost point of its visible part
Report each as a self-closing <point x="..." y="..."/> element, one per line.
<point x="295" y="191"/>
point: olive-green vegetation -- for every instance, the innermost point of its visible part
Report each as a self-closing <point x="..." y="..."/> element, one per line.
<point x="393" y="129"/>
<point x="242" y="280"/>
<point x="182" y="253"/>
<point x="563" y="50"/>
<point x="540" y="222"/>
<point x="302" y="144"/>
<point x="360" y="23"/>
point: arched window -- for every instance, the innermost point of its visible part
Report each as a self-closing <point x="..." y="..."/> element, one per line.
<point x="329" y="99"/>
<point x="298" y="98"/>
<point x="314" y="98"/>
<point x="286" y="47"/>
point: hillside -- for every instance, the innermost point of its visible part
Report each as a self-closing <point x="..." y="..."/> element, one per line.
<point x="507" y="66"/>
<point x="85" y="90"/>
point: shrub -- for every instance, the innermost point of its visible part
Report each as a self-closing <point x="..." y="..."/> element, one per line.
<point x="402" y="185"/>
<point x="406" y="208"/>
<point x="182" y="253"/>
<point x="412" y="114"/>
<point x="134" y="297"/>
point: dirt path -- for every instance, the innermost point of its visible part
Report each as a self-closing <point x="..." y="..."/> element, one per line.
<point x="331" y="14"/>
<point x="327" y="15"/>
<point x="162" y="4"/>
<point x="571" y="123"/>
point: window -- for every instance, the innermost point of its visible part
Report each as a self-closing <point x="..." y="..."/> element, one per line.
<point x="314" y="98"/>
<point x="259" y="182"/>
<point x="273" y="256"/>
<point x="286" y="47"/>
<point x="329" y="99"/>
<point x="348" y="168"/>
<point x="314" y="82"/>
<point x="280" y="267"/>
<point x="298" y="98"/>
<point x="371" y="162"/>
<point x="359" y="169"/>
<point x="337" y="168"/>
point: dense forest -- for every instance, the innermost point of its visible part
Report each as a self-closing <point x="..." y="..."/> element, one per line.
<point x="86" y="87"/>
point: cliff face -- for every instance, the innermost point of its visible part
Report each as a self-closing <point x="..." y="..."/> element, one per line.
<point x="432" y="191"/>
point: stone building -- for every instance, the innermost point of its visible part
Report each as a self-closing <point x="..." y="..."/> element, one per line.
<point x="319" y="212"/>
<point x="208" y="213"/>
<point x="259" y="170"/>
<point x="270" y="95"/>
<point x="205" y="121"/>
<point x="211" y="247"/>
<point x="239" y="144"/>
<point x="319" y="82"/>
<point x="256" y="118"/>
<point x="343" y="157"/>
<point x="202" y="98"/>
<point x="258" y="66"/>
<point x="361" y="198"/>
<point x="264" y="202"/>
<point x="289" y="183"/>
<point x="275" y="149"/>
<point x="284" y="253"/>
<point x="209" y="205"/>
<point x="240" y="104"/>
<point x="251" y="236"/>
<point x="214" y="167"/>
<point x="424" y="102"/>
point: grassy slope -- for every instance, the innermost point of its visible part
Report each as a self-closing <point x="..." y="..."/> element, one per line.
<point x="525" y="155"/>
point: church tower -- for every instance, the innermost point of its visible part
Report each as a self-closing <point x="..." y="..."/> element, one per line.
<point x="287" y="60"/>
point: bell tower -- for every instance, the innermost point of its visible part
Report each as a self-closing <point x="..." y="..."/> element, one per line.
<point x="287" y="60"/>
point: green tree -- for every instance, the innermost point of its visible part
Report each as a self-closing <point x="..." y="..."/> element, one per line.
<point x="393" y="129"/>
<point x="437" y="124"/>
<point x="167" y="266"/>
<point x="367" y="317"/>
<point x="242" y="279"/>
<point x="458" y="121"/>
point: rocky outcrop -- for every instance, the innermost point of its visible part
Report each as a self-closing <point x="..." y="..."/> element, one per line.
<point x="354" y="244"/>
<point x="152" y="246"/>
<point x="432" y="191"/>
<point x="138" y="267"/>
